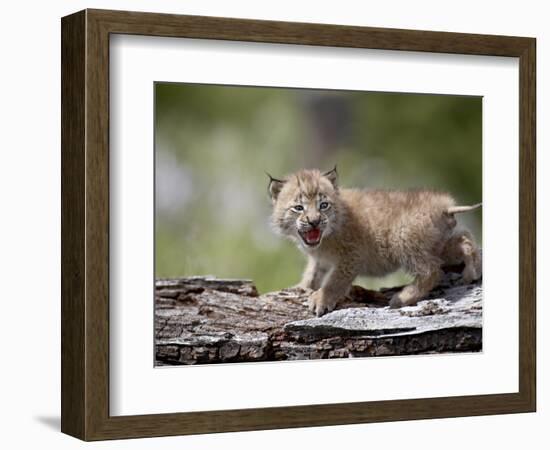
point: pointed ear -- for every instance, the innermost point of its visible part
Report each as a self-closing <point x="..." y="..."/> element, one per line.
<point x="332" y="176"/>
<point x="274" y="187"/>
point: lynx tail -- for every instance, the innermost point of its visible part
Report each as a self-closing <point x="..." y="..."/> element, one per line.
<point x="461" y="209"/>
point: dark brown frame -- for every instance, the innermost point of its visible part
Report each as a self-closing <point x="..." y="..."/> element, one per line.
<point x="85" y="224"/>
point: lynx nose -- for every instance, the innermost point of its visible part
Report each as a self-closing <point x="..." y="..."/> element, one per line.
<point x="314" y="222"/>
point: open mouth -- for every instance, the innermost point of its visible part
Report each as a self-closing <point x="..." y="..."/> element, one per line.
<point x="311" y="237"/>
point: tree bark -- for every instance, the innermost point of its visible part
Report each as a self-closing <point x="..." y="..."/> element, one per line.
<point x="203" y="320"/>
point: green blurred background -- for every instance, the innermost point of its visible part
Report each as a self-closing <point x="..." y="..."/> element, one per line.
<point x="213" y="145"/>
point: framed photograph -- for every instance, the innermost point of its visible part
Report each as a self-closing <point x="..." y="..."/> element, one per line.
<point x="272" y="225"/>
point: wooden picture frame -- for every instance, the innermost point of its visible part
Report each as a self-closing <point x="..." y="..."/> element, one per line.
<point x="85" y="224"/>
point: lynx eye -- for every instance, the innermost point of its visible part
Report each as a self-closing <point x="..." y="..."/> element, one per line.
<point x="297" y="208"/>
<point x="323" y="205"/>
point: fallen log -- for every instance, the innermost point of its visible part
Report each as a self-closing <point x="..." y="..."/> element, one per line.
<point x="205" y="320"/>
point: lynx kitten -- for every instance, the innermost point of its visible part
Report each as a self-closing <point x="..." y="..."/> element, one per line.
<point x="351" y="232"/>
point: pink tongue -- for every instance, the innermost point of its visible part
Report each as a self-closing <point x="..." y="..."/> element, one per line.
<point x="313" y="235"/>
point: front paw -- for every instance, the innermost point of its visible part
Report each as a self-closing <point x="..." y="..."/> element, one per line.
<point x="320" y="303"/>
<point x="396" y="302"/>
<point x="408" y="296"/>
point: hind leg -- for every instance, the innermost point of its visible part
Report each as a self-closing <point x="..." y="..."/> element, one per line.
<point x="462" y="248"/>
<point x="472" y="264"/>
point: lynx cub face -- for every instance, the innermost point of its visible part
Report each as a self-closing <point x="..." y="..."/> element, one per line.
<point x="351" y="232"/>
<point x="305" y="207"/>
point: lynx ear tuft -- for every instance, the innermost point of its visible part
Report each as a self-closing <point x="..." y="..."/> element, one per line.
<point x="274" y="187"/>
<point x="332" y="176"/>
